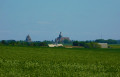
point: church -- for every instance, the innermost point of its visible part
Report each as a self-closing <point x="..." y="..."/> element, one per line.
<point x="61" y="39"/>
<point x="28" y="39"/>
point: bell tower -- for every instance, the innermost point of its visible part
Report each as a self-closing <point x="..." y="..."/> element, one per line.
<point x="60" y="35"/>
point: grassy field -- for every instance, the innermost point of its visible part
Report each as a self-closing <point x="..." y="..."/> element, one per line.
<point x="59" y="62"/>
<point x="115" y="45"/>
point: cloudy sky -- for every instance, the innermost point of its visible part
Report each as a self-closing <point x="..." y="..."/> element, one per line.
<point x="44" y="19"/>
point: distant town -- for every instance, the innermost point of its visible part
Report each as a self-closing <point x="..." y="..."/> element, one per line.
<point x="61" y="41"/>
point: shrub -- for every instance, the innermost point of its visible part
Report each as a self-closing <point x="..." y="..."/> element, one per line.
<point x="75" y="43"/>
<point x="86" y="45"/>
<point x="82" y="44"/>
<point x="92" y="45"/>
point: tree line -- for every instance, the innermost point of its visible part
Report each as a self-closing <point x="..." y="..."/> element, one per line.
<point x="22" y="43"/>
<point x="109" y="41"/>
<point x="86" y="44"/>
<point x="94" y="43"/>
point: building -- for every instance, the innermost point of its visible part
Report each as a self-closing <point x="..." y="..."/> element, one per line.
<point x="28" y="39"/>
<point x="55" y="45"/>
<point x="61" y="39"/>
<point x="103" y="45"/>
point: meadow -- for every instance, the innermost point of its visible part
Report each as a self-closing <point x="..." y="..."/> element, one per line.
<point x="59" y="62"/>
<point x="114" y="45"/>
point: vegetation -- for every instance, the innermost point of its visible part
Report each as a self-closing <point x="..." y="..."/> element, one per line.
<point x="86" y="45"/>
<point x="114" y="45"/>
<point x="22" y="43"/>
<point x="58" y="62"/>
<point x="109" y="41"/>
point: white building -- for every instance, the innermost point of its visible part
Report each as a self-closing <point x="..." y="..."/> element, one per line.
<point x="103" y="45"/>
<point x="55" y="45"/>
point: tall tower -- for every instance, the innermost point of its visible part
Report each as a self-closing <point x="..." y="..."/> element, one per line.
<point x="61" y="39"/>
<point x="28" y="39"/>
<point x="60" y="35"/>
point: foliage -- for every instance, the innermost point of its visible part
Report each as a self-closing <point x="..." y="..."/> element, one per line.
<point x="114" y="46"/>
<point x="67" y="41"/>
<point x="43" y="44"/>
<point x="3" y="42"/>
<point x="118" y="41"/>
<point x="75" y="43"/>
<point x="92" y="45"/>
<point x="49" y="42"/>
<point x="109" y="41"/>
<point x="86" y="45"/>
<point x="81" y="44"/>
<point x="22" y="43"/>
<point x="58" y="62"/>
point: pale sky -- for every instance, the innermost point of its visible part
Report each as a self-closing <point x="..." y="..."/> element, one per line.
<point x="44" y="19"/>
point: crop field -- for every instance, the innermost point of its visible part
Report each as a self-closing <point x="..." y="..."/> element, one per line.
<point x="59" y="62"/>
<point x="115" y="46"/>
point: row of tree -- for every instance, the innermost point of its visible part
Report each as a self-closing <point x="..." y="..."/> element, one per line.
<point x="86" y="44"/>
<point x="22" y="43"/>
<point x="109" y="41"/>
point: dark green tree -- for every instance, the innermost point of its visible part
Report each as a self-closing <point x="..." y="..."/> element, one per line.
<point x="3" y="42"/>
<point x="75" y="43"/>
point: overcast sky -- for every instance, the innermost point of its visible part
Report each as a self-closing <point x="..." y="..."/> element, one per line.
<point x="44" y="19"/>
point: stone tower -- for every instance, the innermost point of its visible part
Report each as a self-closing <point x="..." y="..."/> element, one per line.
<point x="28" y="39"/>
<point x="60" y="35"/>
<point x="61" y="39"/>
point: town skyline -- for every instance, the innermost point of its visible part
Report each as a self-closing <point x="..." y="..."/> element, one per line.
<point x="56" y="39"/>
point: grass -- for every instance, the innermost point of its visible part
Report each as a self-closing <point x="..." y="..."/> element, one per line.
<point x="58" y="62"/>
<point x="115" y="45"/>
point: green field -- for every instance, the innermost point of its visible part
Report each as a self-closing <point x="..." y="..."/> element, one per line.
<point x="58" y="62"/>
<point x="115" y="45"/>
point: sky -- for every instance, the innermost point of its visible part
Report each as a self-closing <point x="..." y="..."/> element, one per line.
<point x="44" y="19"/>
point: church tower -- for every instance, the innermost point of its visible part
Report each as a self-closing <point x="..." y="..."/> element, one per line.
<point x="61" y="39"/>
<point x="60" y="35"/>
<point x="28" y="39"/>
